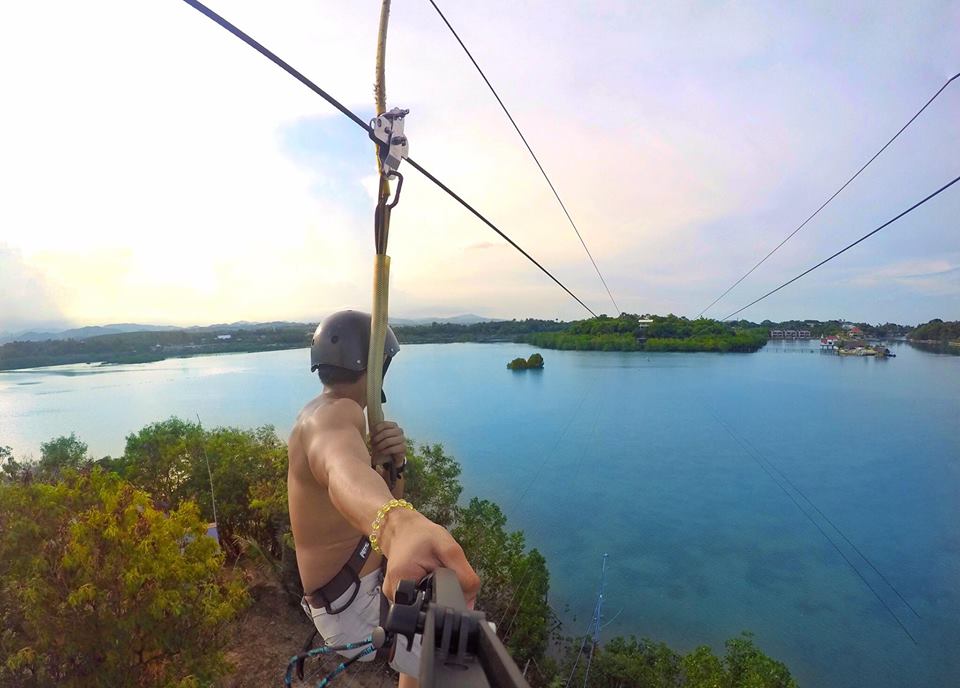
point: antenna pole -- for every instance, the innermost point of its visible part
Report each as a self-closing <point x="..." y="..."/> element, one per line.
<point x="213" y="499"/>
<point x="597" y="620"/>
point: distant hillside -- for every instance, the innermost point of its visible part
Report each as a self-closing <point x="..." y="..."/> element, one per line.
<point x="148" y="345"/>
<point x="82" y="332"/>
<point x="467" y="319"/>
<point x="122" y="328"/>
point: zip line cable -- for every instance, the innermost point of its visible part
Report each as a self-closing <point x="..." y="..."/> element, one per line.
<point x="532" y="154"/>
<point x="834" y="526"/>
<point x="847" y="248"/>
<point x="835" y="194"/>
<point x="285" y="66"/>
<point x="535" y="480"/>
<point x="814" y="522"/>
<point x="413" y="163"/>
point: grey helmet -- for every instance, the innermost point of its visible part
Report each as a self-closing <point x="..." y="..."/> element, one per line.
<point x="343" y="340"/>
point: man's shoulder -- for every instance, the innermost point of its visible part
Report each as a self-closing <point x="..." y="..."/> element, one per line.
<point x="333" y="412"/>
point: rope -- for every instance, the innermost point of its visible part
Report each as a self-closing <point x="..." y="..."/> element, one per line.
<point x="270" y="55"/>
<point x="325" y="650"/>
<point x="846" y="248"/>
<point x="835" y="194"/>
<point x="586" y="674"/>
<point x="532" y="154"/>
<point x="343" y="667"/>
<point x="576" y="662"/>
<point x="530" y="483"/>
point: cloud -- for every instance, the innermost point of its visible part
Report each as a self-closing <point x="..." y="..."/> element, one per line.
<point x="25" y="297"/>
<point x="939" y="277"/>
<point x="199" y="183"/>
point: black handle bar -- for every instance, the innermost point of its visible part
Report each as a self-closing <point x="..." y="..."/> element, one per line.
<point x="460" y="647"/>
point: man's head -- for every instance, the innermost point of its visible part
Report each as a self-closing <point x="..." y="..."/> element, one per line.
<point x="338" y="352"/>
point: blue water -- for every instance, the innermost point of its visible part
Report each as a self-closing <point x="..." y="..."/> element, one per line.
<point x="666" y="461"/>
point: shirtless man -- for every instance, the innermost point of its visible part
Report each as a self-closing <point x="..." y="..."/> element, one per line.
<point x="335" y="494"/>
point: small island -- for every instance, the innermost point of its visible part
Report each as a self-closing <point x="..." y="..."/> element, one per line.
<point x="535" y="362"/>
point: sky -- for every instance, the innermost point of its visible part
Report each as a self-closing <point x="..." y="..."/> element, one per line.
<point x="154" y="169"/>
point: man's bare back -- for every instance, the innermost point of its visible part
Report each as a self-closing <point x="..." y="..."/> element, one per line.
<point x="324" y="538"/>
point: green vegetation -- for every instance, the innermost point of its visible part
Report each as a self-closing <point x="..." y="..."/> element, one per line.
<point x="116" y="547"/>
<point x="148" y="346"/>
<point x="823" y="328"/>
<point x="937" y="331"/>
<point x="632" y="662"/>
<point x="145" y="347"/>
<point x="665" y="333"/>
<point x="98" y="587"/>
<point x="535" y="362"/>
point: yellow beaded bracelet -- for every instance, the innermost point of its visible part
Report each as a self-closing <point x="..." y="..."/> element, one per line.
<point x="381" y="517"/>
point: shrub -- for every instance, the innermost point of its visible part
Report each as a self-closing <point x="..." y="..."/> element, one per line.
<point x="99" y="588"/>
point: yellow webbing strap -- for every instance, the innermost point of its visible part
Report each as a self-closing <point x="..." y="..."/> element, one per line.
<point x="378" y="335"/>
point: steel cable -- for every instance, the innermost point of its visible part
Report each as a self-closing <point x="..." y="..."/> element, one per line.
<point x="835" y="194"/>
<point x="532" y="154"/>
<point x="273" y="57"/>
<point x="847" y="247"/>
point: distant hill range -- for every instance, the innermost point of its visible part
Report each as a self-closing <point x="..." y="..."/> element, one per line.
<point x="121" y="328"/>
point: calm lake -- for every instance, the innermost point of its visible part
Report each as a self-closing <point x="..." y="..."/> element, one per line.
<point x="809" y="498"/>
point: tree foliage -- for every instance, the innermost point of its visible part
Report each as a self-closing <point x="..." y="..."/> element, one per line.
<point x="665" y="333"/>
<point x="170" y="460"/>
<point x="62" y="453"/>
<point x="937" y="330"/>
<point x="433" y="483"/>
<point x="100" y="588"/>
<point x="516" y="583"/>
<point x="535" y="362"/>
<point x="10" y="469"/>
<point x="648" y="664"/>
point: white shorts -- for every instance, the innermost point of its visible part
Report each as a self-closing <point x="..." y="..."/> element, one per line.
<point x="358" y="620"/>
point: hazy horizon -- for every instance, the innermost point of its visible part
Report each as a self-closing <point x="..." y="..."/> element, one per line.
<point x="62" y="327"/>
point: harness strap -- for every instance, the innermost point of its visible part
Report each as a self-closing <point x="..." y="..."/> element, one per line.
<point x="326" y="595"/>
<point x="347" y="577"/>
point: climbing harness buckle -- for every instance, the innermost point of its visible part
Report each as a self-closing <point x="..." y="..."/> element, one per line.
<point x="386" y="130"/>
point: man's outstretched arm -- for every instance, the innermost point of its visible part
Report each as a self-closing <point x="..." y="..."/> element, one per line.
<point x="414" y="546"/>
